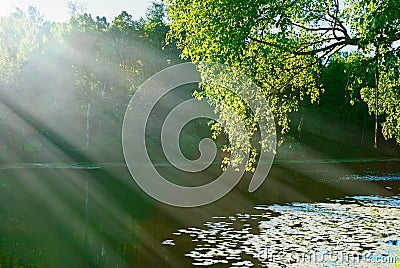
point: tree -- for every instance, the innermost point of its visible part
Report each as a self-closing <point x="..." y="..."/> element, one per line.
<point x="110" y="60"/>
<point x="50" y="73"/>
<point x="283" y="46"/>
<point x="22" y="36"/>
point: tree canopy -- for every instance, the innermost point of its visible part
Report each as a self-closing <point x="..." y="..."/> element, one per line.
<point x="285" y="45"/>
<point x="51" y="72"/>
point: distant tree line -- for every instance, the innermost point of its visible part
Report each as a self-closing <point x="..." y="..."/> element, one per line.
<point x="61" y="80"/>
<point x="67" y="84"/>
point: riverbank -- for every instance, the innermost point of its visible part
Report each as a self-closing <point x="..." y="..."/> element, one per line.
<point x="102" y="165"/>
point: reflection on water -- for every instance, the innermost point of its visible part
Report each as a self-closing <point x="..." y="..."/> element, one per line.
<point x="68" y="218"/>
<point x="360" y="231"/>
<point x="95" y="216"/>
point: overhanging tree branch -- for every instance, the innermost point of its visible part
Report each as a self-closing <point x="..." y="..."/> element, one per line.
<point x="352" y="42"/>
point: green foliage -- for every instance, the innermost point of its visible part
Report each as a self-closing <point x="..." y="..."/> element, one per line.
<point x="283" y="47"/>
<point x="54" y="70"/>
<point x="20" y="37"/>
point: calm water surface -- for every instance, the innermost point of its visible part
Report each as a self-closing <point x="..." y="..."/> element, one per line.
<point x="70" y="217"/>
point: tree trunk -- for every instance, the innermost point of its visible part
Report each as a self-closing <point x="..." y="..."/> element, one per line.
<point x="363" y="130"/>
<point x="376" y="96"/>
<point x="87" y="125"/>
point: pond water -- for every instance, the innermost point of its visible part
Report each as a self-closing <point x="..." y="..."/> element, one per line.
<point x="361" y="231"/>
<point x="95" y="216"/>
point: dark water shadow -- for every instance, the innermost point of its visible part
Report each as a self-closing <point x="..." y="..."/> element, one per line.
<point x="101" y="218"/>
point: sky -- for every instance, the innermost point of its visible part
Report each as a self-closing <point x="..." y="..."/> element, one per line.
<point x="57" y="10"/>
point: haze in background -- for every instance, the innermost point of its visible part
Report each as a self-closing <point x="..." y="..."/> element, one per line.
<point x="57" y="10"/>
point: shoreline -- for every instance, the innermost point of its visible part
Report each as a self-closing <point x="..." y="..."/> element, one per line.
<point x="100" y="165"/>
